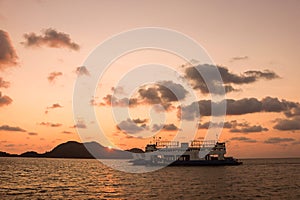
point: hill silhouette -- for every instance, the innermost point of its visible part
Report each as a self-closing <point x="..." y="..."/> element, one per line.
<point x="73" y="149"/>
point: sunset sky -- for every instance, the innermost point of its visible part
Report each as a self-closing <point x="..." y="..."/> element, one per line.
<point x="256" y="45"/>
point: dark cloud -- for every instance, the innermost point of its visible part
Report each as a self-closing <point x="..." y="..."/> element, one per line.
<point x="273" y="105"/>
<point x="296" y="143"/>
<point x="32" y="133"/>
<point x="11" y="128"/>
<point x="170" y="91"/>
<point x="170" y="127"/>
<point x="234" y="126"/>
<point x="128" y="126"/>
<point x="157" y="127"/>
<point x="288" y="124"/>
<point x="243" y="106"/>
<point x="5" y="100"/>
<point x="236" y="107"/>
<point x="53" y="76"/>
<point x="150" y="95"/>
<point x="139" y="121"/>
<point x="82" y="70"/>
<point x="233" y="107"/>
<point x="3" y="83"/>
<point x="206" y="125"/>
<point x="230" y="124"/>
<point x="244" y="139"/>
<point x="50" y="38"/>
<point x="164" y="127"/>
<point x="239" y="58"/>
<point x="229" y="78"/>
<point x="50" y="124"/>
<point x="277" y="140"/>
<point x="8" y="56"/>
<point x="226" y="125"/>
<point x="162" y="93"/>
<point x="249" y="129"/>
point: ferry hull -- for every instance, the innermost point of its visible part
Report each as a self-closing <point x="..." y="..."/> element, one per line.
<point x="205" y="163"/>
<point x="228" y="162"/>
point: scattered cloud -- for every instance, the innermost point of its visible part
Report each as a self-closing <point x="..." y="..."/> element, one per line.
<point x="131" y="126"/>
<point x="3" y="83"/>
<point x="118" y="90"/>
<point x="110" y="100"/>
<point x="53" y="106"/>
<point x="10" y="145"/>
<point x="53" y="76"/>
<point x="244" y="139"/>
<point x="11" y="128"/>
<point x="32" y="133"/>
<point x="50" y="38"/>
<point x="277" y="140"/>
<point x="67" y="132"/>
<point x="8" y="55"/>
<point x="237" y="58"/>
<point x="217" y="85"/>
<point x="288" y="124"/>
<point x="80" y="124"/>
<point x="249" y="129"/>
<point x="82" y="70"/>
<point x="50" y="124"/>
<point x="5" y="100"/>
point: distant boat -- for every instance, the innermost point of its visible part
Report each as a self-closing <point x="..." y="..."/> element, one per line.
<point x="195" y="153"/>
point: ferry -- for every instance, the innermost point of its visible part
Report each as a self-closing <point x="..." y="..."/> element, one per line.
<point x="195" y="153"/>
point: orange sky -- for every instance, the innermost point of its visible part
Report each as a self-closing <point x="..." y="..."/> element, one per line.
<point x="238" y="35"/>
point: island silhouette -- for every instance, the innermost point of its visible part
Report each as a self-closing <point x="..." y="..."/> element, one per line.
<point x="73" y="149"/>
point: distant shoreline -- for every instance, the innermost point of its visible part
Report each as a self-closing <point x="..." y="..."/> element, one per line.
<point x="73" y="149"/>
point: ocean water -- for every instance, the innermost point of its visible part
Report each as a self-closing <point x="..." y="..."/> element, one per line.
<point x="41" y="178"/>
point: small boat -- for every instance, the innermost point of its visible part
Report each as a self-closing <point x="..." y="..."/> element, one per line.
<point x="195" y="153"/>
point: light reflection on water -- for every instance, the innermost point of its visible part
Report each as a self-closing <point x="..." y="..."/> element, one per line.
<point x="33" y="178"/>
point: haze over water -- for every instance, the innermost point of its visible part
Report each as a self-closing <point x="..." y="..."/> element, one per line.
<point x="32" y="178"/>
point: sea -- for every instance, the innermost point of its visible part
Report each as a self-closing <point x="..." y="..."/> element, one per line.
<point x="50" y="178"/>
